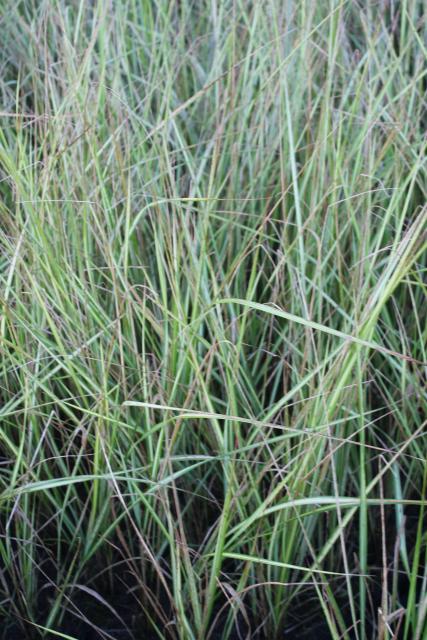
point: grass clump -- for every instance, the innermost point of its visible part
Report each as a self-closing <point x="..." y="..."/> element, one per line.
<point x="213" y="337"/>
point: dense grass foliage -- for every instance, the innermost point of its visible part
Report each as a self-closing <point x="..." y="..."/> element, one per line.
<point x="213" y="319"/>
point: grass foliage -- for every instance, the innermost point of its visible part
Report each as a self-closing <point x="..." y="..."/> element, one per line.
<point x="213" y="319"/>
